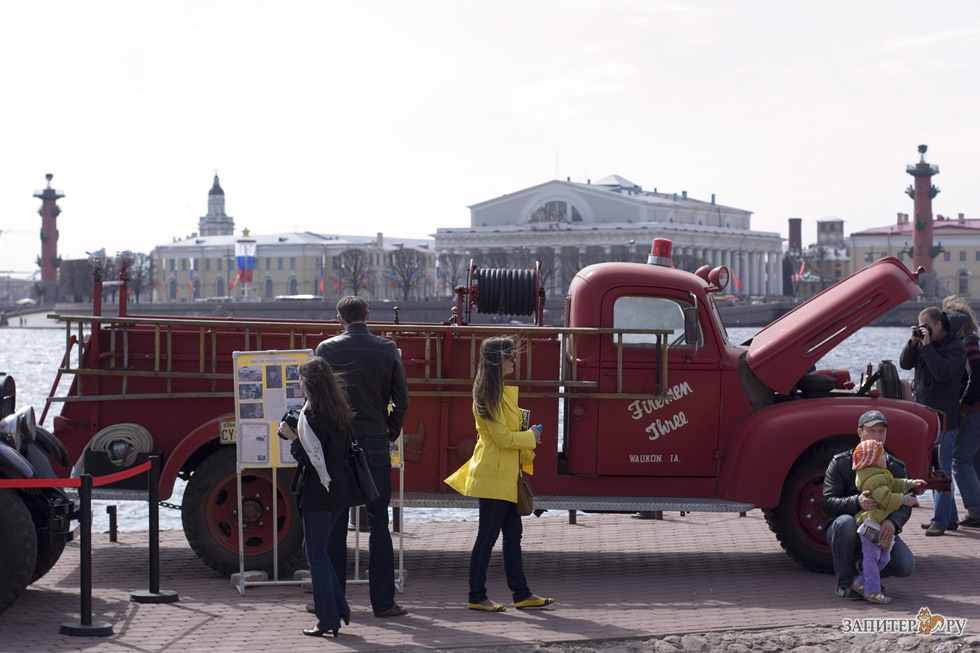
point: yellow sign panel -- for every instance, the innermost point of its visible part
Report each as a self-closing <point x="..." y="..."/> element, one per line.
<point x="266" y="386"/>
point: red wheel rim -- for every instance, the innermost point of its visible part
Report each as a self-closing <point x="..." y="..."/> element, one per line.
<point x="257" y="496"/>
<point x="808" y="517"/>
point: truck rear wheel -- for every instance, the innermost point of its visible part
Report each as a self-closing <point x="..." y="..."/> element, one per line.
<point x="18" y="547"/>
<point x="209" y="512"/>
<point x="798" y="521"/>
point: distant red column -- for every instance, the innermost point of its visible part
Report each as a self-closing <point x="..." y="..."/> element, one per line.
<point x="922" y="193"/>
<point x="49" y="235"/>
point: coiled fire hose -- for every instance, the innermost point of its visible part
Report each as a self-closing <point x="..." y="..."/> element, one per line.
<point x="503" y="291"/>
<point x="121" y="442"/>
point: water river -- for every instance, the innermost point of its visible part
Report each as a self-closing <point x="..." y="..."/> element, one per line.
<point x="32" y="357"/>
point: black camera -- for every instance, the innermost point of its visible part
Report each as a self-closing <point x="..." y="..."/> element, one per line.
<point x="921" y="330"/>
<point x="291" y="417"/>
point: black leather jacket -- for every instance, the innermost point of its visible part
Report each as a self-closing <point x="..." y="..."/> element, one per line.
<point x="840" y="494"/>
<point x="939" y="367"/>
<point x="373" y="371"/>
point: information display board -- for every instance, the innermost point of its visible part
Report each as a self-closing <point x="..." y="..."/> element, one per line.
<point x="266" y="386"/>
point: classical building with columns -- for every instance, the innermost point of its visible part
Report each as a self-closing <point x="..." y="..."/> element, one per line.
<point x="567" y="225"/>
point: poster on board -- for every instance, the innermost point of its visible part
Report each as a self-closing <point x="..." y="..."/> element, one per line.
<point x="266" y="386"/>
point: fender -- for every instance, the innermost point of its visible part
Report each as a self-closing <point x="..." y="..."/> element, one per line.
<point x="767" y="444"/>
<point x="13" y="465"/>
<point x="194" y="440"/>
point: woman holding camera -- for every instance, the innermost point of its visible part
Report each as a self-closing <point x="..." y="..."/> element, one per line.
<point x="939" y="359"/>
<point x="323" y="490"/>
<point x="503" y="448"/>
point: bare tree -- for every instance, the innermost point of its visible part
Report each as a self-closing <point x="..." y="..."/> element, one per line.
<point x="139" y="275"/>
<point x="547" y="257"/>
<point x="75" y="279"/>
<point x="355" y="264"/>
<point x="452" y="268"/>
<point x="406" y="264"/>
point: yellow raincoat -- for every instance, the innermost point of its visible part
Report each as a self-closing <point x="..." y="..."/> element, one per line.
<point x="491" y="473"/>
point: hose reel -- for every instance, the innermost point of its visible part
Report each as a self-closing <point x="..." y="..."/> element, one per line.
<point x="501" y="291"/>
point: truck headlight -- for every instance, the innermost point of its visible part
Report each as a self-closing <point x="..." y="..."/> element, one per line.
<point x="18" y="429"/>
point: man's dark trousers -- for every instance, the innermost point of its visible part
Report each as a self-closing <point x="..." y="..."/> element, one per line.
<point x="382" y="556"/>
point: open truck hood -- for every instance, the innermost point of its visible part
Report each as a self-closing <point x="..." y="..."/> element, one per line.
<point x="783" y="351"/>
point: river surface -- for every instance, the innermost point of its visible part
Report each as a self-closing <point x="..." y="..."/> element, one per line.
<point x="32" y="356"/>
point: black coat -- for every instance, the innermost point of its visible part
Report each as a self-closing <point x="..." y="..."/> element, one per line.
<point x="939" y="368"/>
<point x="374" y="374"/>
<point x="311" y="493"/>
<point x="840" y="494"/>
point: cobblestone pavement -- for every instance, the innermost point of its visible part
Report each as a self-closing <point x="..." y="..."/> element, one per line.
<point x="700" y="582"/>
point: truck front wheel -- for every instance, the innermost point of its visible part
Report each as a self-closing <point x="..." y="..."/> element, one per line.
<point x="18" y="547"/>
<point x="798" y="521"/>
<point x="209" y="512"/>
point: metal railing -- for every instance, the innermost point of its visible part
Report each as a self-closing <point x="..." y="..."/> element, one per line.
<point x="158" y="363"/>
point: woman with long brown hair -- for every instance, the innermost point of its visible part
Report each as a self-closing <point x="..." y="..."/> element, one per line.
<point x="323" y="489"/>
<point x="501" y="451"/>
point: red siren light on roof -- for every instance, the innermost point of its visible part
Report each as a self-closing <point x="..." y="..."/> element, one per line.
<point x="660" y="253"/>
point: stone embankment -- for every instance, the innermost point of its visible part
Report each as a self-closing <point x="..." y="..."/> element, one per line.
<point x="802" y="639"/>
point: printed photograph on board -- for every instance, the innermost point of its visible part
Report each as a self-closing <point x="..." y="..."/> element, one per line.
<point x="251" y="411"/>
<point x="249" y="391"/>
<point x="273" y="376"/>
<point x="247" y="374"/>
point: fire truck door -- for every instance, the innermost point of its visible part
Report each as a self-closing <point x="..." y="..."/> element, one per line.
<point x="676" y="435"/>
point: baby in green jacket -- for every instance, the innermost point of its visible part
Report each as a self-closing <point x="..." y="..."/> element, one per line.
<point x="872" y="476"/>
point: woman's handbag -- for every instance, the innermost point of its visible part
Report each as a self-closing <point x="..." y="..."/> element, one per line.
<point x="364" y="490"/>
<point x="525" y="498"/>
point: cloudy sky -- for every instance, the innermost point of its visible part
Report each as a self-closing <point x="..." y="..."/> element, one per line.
<point x="394" y="116"/>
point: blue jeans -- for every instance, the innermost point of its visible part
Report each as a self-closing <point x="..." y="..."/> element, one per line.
<point x="328" y="595"/>
<point x="966" y="463"/>
<point x="381" y="558"/>
<point x="498" y="516"/>
<point x="845" y="547"/>
<point x="944" y="511"/>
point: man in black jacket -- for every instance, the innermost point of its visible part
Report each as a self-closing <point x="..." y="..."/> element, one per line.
<point x="375" y="377"/>
<point x="841" y="502"/>
<point x="938" y="357"/>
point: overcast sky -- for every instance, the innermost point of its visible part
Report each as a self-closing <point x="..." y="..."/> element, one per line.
<point x="358" y="117"/>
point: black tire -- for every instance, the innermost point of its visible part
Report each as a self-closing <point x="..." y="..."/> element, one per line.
<point x="47" y="557"/>
<point x="210" y="518"/>
<point x="18" y="547"/>
<point x="48" y="553"/>
<point x="798" y="521"/>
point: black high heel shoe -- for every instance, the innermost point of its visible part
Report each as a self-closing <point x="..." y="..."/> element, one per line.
<point x="316" y="631"/>
<point x="345" y="617"/>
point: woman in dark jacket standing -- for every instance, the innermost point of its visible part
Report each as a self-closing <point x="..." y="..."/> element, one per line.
<point x="323" y="499"/>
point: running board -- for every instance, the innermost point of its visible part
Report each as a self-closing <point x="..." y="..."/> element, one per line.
<point x="586" y="504"/>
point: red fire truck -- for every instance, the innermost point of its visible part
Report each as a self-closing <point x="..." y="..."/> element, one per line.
<point x="646" y="403"/>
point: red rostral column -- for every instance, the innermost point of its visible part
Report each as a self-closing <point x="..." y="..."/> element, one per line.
<point x="48" y="260"/>
<point x="922" y="193"/>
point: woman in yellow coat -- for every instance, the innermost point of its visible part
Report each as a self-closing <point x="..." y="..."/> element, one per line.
<point x="491" y="475"/>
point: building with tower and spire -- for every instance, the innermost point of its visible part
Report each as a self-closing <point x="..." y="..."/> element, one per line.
<point x="49" y="261"/>
<point x="216" y="223"/>
<point x="216" y="264"/>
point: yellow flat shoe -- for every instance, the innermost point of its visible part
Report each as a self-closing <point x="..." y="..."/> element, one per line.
<point x="493" y="607"/>
<point x="533" y="602"/>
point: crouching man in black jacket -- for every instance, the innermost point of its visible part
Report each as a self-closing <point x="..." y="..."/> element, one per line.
<point x="841" y="502"/>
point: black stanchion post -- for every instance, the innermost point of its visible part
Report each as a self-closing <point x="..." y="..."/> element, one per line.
<point x="154" y="594"/>
<point x="85" y="626"/>
<point x="112" y="523"/>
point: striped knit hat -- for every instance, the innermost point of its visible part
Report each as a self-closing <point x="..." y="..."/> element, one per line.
<point x="866" y="454"/>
